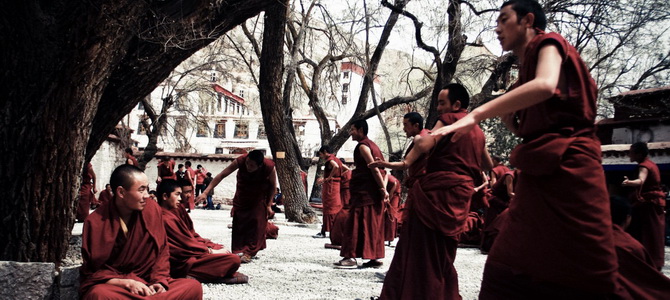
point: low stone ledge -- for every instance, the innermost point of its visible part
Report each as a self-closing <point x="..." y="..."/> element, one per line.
<point x="20" y="280"/>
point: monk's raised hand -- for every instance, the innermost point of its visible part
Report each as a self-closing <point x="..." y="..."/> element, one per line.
<point x="157" y="288"/>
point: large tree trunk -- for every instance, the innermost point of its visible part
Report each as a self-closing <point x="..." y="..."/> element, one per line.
<point x="71" y="71"/>
<point x="275" y="115"/>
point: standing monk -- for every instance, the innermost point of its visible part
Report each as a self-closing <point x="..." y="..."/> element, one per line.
<point x="190" y="255"/>
<point x="165" y="169"/>
<point x="256" y="184"/>
<point x="337" y="231"/>
<point x="391" y="209"/>
<point x="130" y="159"/>
<point x="330" y="191"/>
<point x="124" y="246"/>
<point x="499" y="169"/>
<point x="648" y="222"/>
<point x="364" y="231"/>
<point x="86" y="192"/>
<point x="558" y="240"/>
<point x="423" y="264"/>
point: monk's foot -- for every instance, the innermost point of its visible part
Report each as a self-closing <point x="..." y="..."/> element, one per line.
<point x="245" y="259"/>
<point x="230" y="226"/>
<point x="238" y="278"/>
<point x="332" y="246"/>
<point x="380" y="275"/>
<point x="346" y="263"/>
<point x="372" y="264"/>
<point x="319" y="235"/>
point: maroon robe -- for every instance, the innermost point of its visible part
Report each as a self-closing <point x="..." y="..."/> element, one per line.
<point x="414" y="172"/>
<point x="330" y="192"/>
<point x="364" y="231"/>
<point x="86" y="196"/>
<point x="271" y="231"/>
<point x="337" y="231"/>
<point x="141" y="255"/>
<point x="423" y="264"/>
<point x="392" y="211"/>
<point x="648" y="222"/>
<point x="500" y="199"/>
<point x="189" y="256"/>
<point x="250" y="203"/>
<point x="498" y="171"/>
<point x="638" y="272"/>
<point x="133" y="159"/>
<point x="558" y="241"/>
<point x="105" y="196"/>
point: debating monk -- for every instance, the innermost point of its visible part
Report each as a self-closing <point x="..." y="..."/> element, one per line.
<point x="558" y="241"/>
<point x="330" y="191"/>
<point x="125" y="249"/>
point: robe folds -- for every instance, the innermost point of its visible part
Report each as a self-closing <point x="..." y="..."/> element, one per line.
<point x="340" y="219"/>
<point x="559" y="233"/>
<point x="86" y="196"/>
<point x="499" y="200"/>
<point x="190" y="256"/>
<point x="648" y="217"/>
<point x="392" y="212"/>
<point x="364" y="231"/>
<point x="104" y="196"/>
<point x="254" y="191"/>
<point x="423" y="264"/>
<point x="330" y="193"/>
<point x="142" y="255"/>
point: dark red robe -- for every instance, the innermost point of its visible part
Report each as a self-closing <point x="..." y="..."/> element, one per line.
<point x="337" y="231"/>
<point x="134" y="160"/>
<point x="392" y="211"/>
<point x="330" y="192"/>
<point x="271" y="231"/>
<point x="648" y="222"/>
<point x="142" y="255"/>
<point x="189" y="256"/>
<point x="86" y="196"/>
<point x="250" y="217"/>
<point x="638" y="272"/>
<point x="364" y="231"/>
<point x="558" y="241"/>
<point x="498" y="171"/>
<point x="166" y="170"/>
<point x="414" y="172"/>
<point x="105" y="196"/>
<point x="499" y="200"/>
<point x="423" y="263"/>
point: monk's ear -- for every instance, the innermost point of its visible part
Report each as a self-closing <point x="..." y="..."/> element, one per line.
<point x="120" y="191"/>
<point x="529" y="18"/>
<point x="456" y="105"/>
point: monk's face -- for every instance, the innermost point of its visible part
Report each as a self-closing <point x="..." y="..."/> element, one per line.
<point x="322" y="155"/>
<point x="251" y="165"/>
<point x="135" y="197"/>
<point x="510" y="29"/>
<point x="409" y="128"/>
<point x="172" y="200"/>
<point x="186" y="192"/>
<point x="356" y="134"/>
<point x="444" y="104"/>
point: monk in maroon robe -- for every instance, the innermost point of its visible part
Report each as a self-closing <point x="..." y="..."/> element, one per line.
<point x="130" y="159"/>
<point x="271" y="231"/>
<point x="330" y="191"/>
<point x="391" y="209"/>
<point x="364" y="231"/>
<point x="499" y="169"/>
<point x="86" y="192"/>
<point x="558" y="242"/>
<point x="125" y="249"/>
<point x="166" y="169"/>
<point x="190" y="255"/>
<point x="106" y="195"/>
<point x="501" y="195"/>
<point x="423" y="264"/>
<point x="337" y="231"/>
<point x="252" y="203"/>
<point x="648" y="223"/>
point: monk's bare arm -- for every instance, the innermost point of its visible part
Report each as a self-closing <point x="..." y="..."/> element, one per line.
<point x="227" y="171"/>
<point x="484" y="183"/>
<point x="273" y="184"/>
<point x="541" y="88"/>
<point x="379" y="179"/>
<point x="334" y="167"/>
<point x="95" y="181"/>
<point x="641" y="178"/>
<point x="509" y="182"/>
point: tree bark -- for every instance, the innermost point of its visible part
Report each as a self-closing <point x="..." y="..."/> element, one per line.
<point x="71" y="71"/>
<point x="274" y="115"/>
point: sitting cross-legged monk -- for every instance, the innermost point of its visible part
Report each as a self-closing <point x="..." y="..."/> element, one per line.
<point x="190" y="255"/>
<point x="124" y="246"/>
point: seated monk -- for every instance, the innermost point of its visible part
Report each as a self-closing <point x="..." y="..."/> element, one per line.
<point x="190" y="255"/>
<point x="125" y="249"/>
<point x="637" y="269"/>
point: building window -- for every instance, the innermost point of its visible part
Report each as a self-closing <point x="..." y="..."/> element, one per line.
<point x="261" y="132"/>
<point x="203" y="129"/>
<point x="344" y="99"/>
<point x="242" y="130"/>
<point x="345" y="74"/>
<point x="299" y="128"/>
<point x="213" y="76"/>
<point x="241" y="92"/>
<point x="345" y="88"/>
<point x="180" y="127"/>
<point x="218" y="151"/>
<point x="220" y="130"/>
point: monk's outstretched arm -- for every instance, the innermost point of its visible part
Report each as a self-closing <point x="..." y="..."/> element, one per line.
<point x="227" y="171"/>
<point x="411" y="157"/>
<point x="641" y="178"/>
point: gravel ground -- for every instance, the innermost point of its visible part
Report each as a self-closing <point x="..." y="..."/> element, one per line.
<point x="297" y="266"/>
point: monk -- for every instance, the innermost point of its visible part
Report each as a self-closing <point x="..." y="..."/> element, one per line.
<point x="186" y="193"/>
<point x="190" y="174"/>
<point x="190" y="256"/>
<point x="106" y="194"/>
<point x="130" y="158"/>
<point x="252" y="203"/>
<point x="391" y="209"/>
<point x="330" y="191"/>
<point x="499" y="169"/>
<point x="648" y="223"/>
<point x="165" y="169"/>
<point x="125" y="249"/>
<point x="337" y="231"/>
<point x="639" y="274"/>
<point x="364" y="231"/>
<point x="423" y="264"/>
<point x="558" y="240"/>
<point x="502" y="193"/>
<point x="86" y="193"/>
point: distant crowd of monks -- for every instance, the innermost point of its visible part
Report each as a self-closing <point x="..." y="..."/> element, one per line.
<point x="551" y="228"/>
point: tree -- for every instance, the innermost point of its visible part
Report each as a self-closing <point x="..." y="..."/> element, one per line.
<point x="72" y="71"/>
